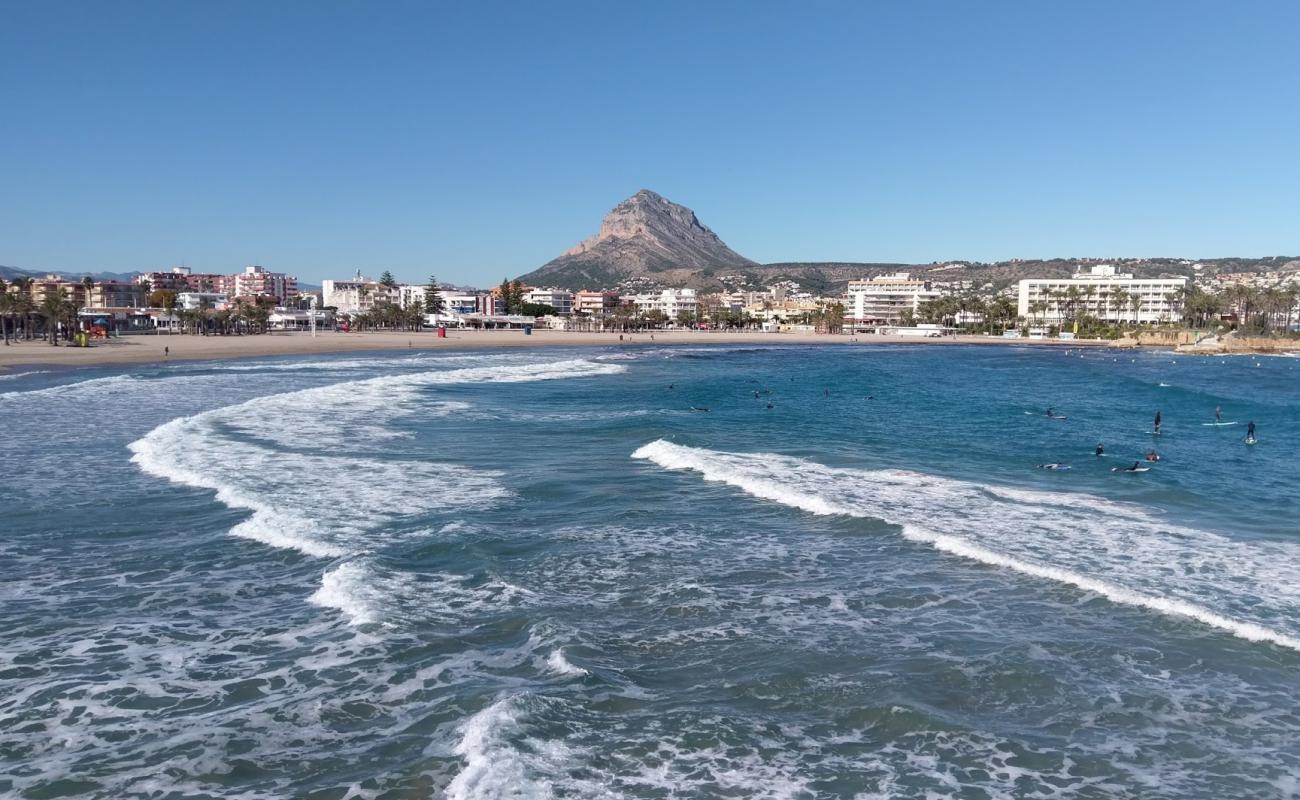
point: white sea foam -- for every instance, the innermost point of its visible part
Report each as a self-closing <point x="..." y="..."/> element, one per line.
<point x="349" y="588"/>
<point x="1250" y="590"/>
<point x="322" y="505"/>
<point x="560" y="665"/>
<point x="8" y="376"/>
<point x="493" y="768"/>
<point x="97" y="386"/>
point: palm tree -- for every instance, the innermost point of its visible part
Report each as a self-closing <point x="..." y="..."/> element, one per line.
<point x="55" y="310"/>
<point x="6" y="306"/>
<point x="1121" y="298"/>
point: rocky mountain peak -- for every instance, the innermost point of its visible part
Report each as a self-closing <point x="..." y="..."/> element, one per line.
<point x="644" y="234"/>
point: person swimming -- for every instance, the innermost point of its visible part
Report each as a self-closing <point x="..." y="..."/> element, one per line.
<point x="1137" y="467"/>
<point x="1051" y="412"/>
<point x="1101" y="451"/>
<point x="1054" y="466"/>
<point x="1157" y="422"/>
<point x="1153" y="456"/>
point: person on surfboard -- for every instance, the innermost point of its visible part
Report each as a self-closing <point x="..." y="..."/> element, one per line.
<point x="1157" y="423"/>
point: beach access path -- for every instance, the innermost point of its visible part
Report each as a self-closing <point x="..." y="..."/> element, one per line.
<point x="149" y="348"/>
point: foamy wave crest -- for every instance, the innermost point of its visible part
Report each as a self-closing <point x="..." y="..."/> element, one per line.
<point x="358" y="411"/>
<point x="8" y="376"/>
<point x="349" y="588"/>
<point x="494" y="767"/>
<point x="99" y="386"/>
<point x="1250" y="590"/>
<point x="560" y="665"/>
<point x="320" y="505"/>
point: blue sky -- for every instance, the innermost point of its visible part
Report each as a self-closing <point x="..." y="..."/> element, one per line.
<point x="482" y="139"/>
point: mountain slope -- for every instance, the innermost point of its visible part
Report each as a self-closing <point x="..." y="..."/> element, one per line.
<point x="646" y="235"/>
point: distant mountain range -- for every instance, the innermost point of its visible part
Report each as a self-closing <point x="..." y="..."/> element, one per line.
<point x="649" y="240"/>
<point x="9" y="273"/>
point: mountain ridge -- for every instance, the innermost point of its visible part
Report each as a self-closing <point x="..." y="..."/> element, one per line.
<point x="644" y="235"/>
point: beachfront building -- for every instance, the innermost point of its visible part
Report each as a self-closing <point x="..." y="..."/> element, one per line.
<point x="256" y="281"/>
<point x="183" y="279"/>
<point x="101" y="294"/>
<point x="596" y="304"/>
<point x="358" y="295"/>
<point x="558" y="299"/>
<point x="1110" y="296"/>
<point x="671" y="302"/>
<point x="885" y="299"/>
<point x="299" y="319"/>
<point x="192" y="301"/>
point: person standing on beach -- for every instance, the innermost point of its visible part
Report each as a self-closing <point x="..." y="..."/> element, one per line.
<point x="1157" y="423"/>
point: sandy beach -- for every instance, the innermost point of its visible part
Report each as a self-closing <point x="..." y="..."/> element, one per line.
<point x="150" y="348"/>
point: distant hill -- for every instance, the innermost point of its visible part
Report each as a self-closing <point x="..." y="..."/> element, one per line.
<point x="645" y="236"/>
<point x="9" y="273"/>
<point x="648" y="240"/>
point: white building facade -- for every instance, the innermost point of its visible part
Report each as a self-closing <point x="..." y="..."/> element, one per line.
<point x="558" y="299"/>
<point x="358" y="295"/>
<point x="191" y="301"/>
<point x="1103" y="293"/>
<point x="884" y="299"/>
<point x="670" y="301"/>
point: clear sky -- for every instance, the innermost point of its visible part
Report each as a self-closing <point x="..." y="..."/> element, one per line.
<point x="481" y="139"/>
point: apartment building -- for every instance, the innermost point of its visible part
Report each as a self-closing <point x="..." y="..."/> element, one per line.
<point x="882" y="300"/>
<point x="1102" y="292"/>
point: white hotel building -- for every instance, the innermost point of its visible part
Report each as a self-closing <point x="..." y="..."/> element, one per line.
<point x="883" y="299"/>
<point x="1152" y="300"/>
<point x="670" y="301"/>
<point x="558" y="299"/>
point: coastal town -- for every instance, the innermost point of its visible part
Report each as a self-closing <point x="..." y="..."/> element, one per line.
<point x="1100" y="301"/>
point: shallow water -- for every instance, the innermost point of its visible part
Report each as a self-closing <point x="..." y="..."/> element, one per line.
<point x="540" y="574"/>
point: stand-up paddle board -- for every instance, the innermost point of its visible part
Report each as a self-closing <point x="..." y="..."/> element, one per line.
<point x="1217" y="424"/>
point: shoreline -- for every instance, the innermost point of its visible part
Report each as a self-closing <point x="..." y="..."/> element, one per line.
<point x="148" y="348"/>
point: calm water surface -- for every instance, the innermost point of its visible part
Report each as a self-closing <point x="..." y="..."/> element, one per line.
<point x="541" y="574"/>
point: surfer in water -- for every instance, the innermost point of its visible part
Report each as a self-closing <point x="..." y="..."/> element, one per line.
<point x="1157" y="423"/>
<point x="1153" y="456"/>
<point x="1101" y="451"/>
<point x="1218" y="414"/>
<point x="1051" y="412"/>
<point x="1250" y="431"/>
<point x="1137" y="467"/>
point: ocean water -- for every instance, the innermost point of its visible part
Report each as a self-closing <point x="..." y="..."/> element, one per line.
<point x="540" y="573"/>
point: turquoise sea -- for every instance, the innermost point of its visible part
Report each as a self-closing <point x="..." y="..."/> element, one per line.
<point x="540" y="573"/>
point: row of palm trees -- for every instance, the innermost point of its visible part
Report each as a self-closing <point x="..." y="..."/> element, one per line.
<point x="240" y="317"/>
<point x="967" y="310"/>
<point x="390" y="316"/>
<point x="20" y="312"/>
<point x="1101" y="302"/>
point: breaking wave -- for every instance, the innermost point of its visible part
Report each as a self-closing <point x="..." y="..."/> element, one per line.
<point x="1246" y="589"/>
